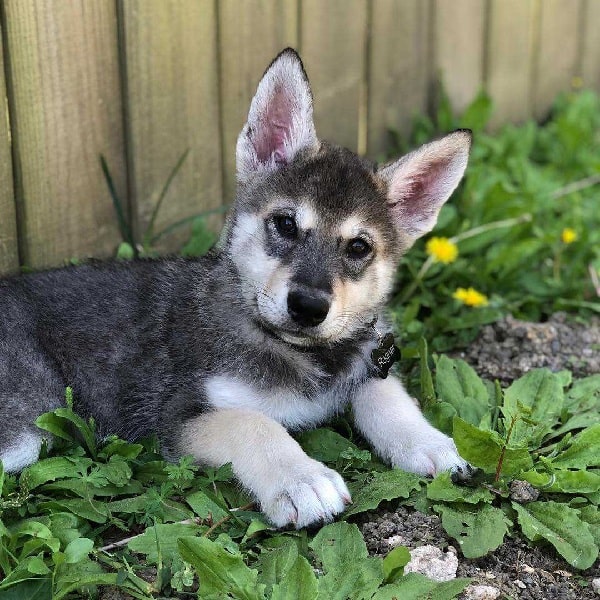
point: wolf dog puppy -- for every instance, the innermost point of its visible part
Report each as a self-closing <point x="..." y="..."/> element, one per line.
<point x="271" y="332"/>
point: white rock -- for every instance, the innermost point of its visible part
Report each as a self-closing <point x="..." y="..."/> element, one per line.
<point x="395" y="540"/>
<point x="596" y="585"/>
<point x="481" y="592"/>
<point x="431" y="561"/>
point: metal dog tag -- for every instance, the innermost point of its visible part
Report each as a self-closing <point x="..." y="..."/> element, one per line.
<point x="386" y="354"/>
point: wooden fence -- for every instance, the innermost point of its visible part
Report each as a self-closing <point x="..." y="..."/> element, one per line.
<point x="141" y="81"/>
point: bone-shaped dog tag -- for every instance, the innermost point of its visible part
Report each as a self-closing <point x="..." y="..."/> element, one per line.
<point x="385" y="355"/>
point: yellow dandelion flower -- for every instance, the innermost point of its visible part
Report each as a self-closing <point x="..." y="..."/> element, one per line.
<point x="442" y="249"/>
<point x="568" y="235"/>
<point x="577" y="83"/>
<point x="470" y="297"/>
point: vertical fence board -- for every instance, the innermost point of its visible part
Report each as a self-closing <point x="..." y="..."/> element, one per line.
<point x="459" y="48"/>
<point x="398" y="69"/>
<point x="251" y="34"/>
<point x="510" y="59"/>
<point x="66" y="110"/>
<point x="9" y="255"/>
<point x="333" y="43"/>
<point x="171" y="105"/>
<point x="590" y="60"/>
<point x="558" y="51"/>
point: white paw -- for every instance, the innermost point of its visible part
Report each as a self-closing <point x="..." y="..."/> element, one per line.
<point x="308" y="493"/>
<point x="430" y="454"/>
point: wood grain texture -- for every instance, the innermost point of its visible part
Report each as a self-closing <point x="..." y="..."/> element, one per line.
<point x="458" y="30"/>
<point x="510" y="59"/>
<point x="398" y="69"/>
<point x="590" y="56"/>
<point x="251" y="34"/>
<point x="9" y="254"/>
<point x="558" y="51"/>
<point x="172" y="105"/>
<point x="333" y="37"/>
<point x="66" y="112"/>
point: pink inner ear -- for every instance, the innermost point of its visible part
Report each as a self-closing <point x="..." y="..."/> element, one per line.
<point x="274" y="129"/>
<point x="415" y="191"/>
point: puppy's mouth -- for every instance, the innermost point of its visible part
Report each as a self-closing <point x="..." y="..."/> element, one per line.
<point x="297" y="336"/>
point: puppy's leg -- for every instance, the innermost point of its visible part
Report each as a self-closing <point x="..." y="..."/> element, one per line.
<point x="22" y="450"/>
<point x="390" y="419"/>
<point x="30" y="388"/>
<point x="290" y="486"/>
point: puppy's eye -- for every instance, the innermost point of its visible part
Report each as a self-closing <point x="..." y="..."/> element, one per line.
<point x="286" y="226"/>
<point x="357" y="248"/>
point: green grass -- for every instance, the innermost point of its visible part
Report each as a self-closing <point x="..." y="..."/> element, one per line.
<point x="116" y="514"/>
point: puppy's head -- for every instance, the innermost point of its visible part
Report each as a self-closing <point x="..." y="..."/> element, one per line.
<point x="316" y="231"/>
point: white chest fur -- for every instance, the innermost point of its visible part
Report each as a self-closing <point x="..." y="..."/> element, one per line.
<point x="291" y="409"/>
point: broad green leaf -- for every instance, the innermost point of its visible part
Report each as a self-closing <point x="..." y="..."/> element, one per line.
<point x="559" y="524"/>
<point x="53" y="468"/>
<point x="570" y="482"/>
<point x="440" y="415"/>
<point x="31" y="527"/>
<point x="220" y="572"/>
<point x="32" y="589"/>
<point x="205" y="507"/>
<point x="85" y="488"/>
<point x="591" y="515"/>
<point x="66" y="526"/>
<point x="59" y="422"/>
<point x="78" y="549"/>
<point x="583" y="452"/>
<point x="324" y="444"/>
<point x="116" y="471"/>
<point x="540" y="392"/>
<point x="457" y="383"/>
<point x="414" y="586"/>
<point x="577" y="421"/>
<point x="484" y="449"/>
<point x="428" y="398"/>
<point x="584" y="394"/>
<point x="27" y="569"/>
<point x="274" y="564"/>
<point x="92" y="510"/>
<point x="162" y="538"/>
<point x="442" y="488"/>
<point x="394" y="563"/>
<point x="298" y="582"/>
<point x="169" y="510"/>
<point x="477" y="529"/>
<point x="121" y="448"/>
<point x="387" y="485"/>
<point x="37" y="566"/>
<point x="349" y="572"/>
<point x="69" y="578"/>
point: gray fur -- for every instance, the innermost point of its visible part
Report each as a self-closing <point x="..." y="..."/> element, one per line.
<point x="138" y="341"/>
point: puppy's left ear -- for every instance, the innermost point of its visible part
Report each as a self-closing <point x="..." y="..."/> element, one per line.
<point x="420" y="182"/>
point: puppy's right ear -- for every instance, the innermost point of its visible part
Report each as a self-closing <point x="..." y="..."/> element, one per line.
<point x="280" y="121"/>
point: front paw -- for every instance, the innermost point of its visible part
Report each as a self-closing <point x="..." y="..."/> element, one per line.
<point x="306" y="493"/>
<point x="431" y="454"/>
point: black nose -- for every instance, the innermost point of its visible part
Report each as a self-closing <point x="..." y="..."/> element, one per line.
<point x="307" y="309"/>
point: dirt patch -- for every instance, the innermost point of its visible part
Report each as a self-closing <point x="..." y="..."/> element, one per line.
<point x="509" y="348"/>
<point x="518" y="568"/>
